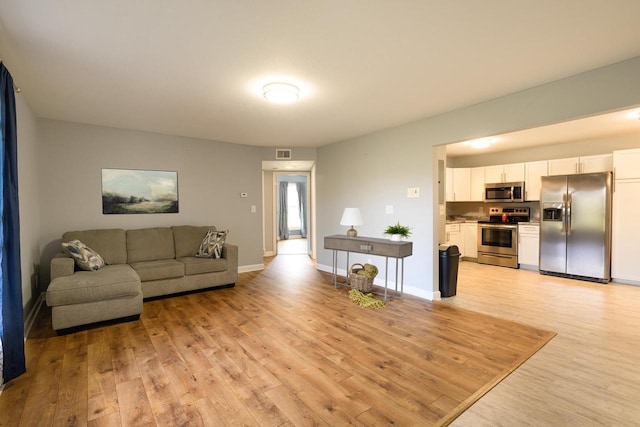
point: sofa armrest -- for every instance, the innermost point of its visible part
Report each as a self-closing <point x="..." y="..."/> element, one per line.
<point x="230" y="253"/>
<point x="62" y="265"/>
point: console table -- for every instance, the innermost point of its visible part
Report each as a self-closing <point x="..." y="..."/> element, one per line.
<point x="372" y="246"/>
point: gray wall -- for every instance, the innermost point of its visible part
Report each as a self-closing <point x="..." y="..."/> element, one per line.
<point x="374" y="170"/>
<point x="29" y="195"/>
<point x="211" y="176"/>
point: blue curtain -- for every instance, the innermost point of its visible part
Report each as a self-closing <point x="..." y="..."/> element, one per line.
<point x="283" y="223"/>
<point x="11" y="317"/>
<point x="302" y="204"/>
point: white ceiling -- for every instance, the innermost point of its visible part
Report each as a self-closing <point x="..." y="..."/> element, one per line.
<point x="194" y="68"/>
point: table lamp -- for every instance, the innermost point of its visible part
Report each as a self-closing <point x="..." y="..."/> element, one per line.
<point x="351" y="216"/>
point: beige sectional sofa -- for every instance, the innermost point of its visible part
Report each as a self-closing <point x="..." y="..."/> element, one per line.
<point x="140" y="263"/>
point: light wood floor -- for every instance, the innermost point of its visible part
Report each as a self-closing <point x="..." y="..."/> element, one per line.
<point x="588" y="375"/>
<point x="281" y="348"/>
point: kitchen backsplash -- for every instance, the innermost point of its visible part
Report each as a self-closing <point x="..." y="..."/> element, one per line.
<point x="480" y="210"/>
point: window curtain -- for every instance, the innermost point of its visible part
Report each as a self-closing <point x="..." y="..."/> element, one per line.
<point x="11" y="323"/>
<point x="302" y="204"/>
<point x="283" y="227"/>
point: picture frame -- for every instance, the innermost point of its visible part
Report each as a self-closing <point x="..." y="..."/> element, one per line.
<point x="137" y="191"/>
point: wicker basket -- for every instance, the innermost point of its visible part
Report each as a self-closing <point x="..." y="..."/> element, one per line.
<point x="361" y="283"/>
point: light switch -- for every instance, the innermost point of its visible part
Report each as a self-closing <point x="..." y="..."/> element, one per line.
<point x="413" y="193"/>
<point x="388" y="209"/>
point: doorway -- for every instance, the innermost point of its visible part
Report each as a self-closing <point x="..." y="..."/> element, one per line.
<point x="292" y="213"/>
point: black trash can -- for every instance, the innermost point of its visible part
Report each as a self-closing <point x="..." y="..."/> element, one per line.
<point x="449" y="259"/>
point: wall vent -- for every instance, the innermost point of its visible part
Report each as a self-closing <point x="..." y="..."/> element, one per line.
<point x="283" y="154"/>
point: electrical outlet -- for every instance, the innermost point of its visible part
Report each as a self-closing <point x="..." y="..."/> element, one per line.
<point x="481" y="209"/>
<point x="388" y="209"/>
<point x="253" y="209"/>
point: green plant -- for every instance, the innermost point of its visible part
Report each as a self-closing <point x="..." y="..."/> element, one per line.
<point x="402" y="230"/>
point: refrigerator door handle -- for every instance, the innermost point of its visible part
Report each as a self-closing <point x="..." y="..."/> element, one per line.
<point x="564" y="213"/>
<point x="569" y="215"/>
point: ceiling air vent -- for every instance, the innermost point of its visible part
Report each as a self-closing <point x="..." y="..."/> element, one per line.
<point x="283" y="154"/>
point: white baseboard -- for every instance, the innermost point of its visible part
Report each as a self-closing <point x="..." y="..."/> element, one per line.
<point x="269" y="253"/>
<point x="248" y="268"/>
<point x="410" y="290"/>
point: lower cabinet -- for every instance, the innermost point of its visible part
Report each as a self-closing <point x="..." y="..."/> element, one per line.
<point x="528" y="246"/>
<point x="465" y="236"/>
<point x="454" y="237"/>
<point x="470" y="236"/>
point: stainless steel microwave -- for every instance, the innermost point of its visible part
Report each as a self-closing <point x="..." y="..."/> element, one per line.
<point x="504" y="192"/>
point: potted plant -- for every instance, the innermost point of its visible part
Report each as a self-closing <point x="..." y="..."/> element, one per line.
<point x="397" y="232"/>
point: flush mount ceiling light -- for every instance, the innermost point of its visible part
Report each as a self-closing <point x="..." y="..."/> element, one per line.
<point x="280" y="93"/>
<point x="480" y="143"/>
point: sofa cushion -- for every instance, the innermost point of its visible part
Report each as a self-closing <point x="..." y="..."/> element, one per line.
<point x="193" y="265"/>
<point x="211" y="246"/>
<point x="188" y="238"/>
<point x="111" y="281"/>
<point x="111" y="244"/>
<point x="158" y="270"/>
<point x="150" y="244"/>
<point x="85" y="257"/>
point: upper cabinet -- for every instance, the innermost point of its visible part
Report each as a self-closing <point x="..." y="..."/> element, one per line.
<point x="449" y="185"/>
<point x="458" y="184"/>
<point x="513" y="172"/>
<point x="626" y="163"/>
<point x="467" y="184"/>
<point x="477" y="184"/>
<point x="588" y="164"/>
<point x="534" y="171"/>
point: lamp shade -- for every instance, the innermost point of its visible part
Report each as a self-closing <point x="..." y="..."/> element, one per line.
<point x="351" y="216"/>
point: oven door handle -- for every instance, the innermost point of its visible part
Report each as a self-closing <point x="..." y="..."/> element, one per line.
<point x="499" y="225"/>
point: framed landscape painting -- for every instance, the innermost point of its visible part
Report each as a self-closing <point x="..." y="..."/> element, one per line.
<point x="132" y="191"/>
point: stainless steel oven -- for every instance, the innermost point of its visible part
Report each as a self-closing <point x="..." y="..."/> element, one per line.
<point x="498" y="237"/>
<point x="498" y="244"/>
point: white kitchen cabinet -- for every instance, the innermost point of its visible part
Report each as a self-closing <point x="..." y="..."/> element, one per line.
<point x="534" y="171"/>
<point x="477" y="184"/>
<point x="625" y="232"/>
<point x="470" y="236"/>
<point x="454" y="237"/>
<point x="564" y="166"/>
<point x="600" y="163"/>
<point x="513" y="172"/>
<point x="458" y="188"/>
<point x="529" y="246"/>
<point x="586" y="164"/>
<point x="625" y="240"/>
<point x="461" y="184"/>
<point x="493" y="173"/>
<point x="449" y="185"/>
<point x="626" y="163"/>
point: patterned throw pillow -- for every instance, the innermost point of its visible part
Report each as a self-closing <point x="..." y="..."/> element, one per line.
<point x="211" y="246"/>
<point x="85" y="257"/>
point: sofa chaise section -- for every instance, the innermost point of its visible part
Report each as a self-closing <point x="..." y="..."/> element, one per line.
<point x="82" y="297"/>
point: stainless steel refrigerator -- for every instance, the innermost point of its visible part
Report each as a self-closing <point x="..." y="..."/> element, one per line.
<point x="575" y="226"/>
